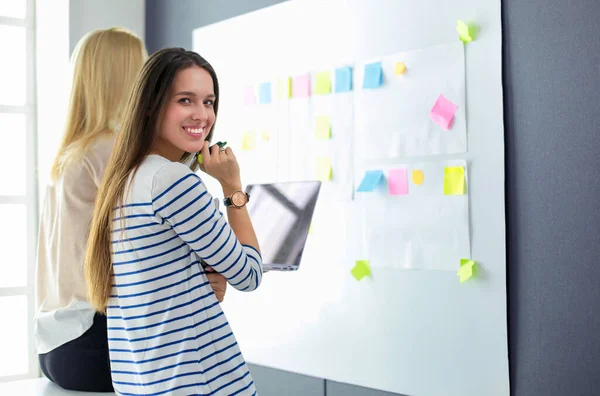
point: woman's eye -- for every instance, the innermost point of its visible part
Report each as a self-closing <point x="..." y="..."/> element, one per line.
<point x="209" y="102"/>
<point x="185" y="101"/>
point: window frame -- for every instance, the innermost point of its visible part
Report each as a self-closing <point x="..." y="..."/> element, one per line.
<point x="30" y="198"/>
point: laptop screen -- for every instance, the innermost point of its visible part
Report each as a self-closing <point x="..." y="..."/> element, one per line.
<point x="281" y="214"/>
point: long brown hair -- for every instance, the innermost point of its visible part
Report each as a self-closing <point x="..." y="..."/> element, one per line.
<point x="134" y="141"/>
<point x="105" y="64"/>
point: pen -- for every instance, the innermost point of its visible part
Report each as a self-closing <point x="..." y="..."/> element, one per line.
<point x="220" y="144"/>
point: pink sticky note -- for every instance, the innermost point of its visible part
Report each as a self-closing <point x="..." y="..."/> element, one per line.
<point x="301" y="86"/>
<point x="249" y="95"/>
<point x="398" y="182"/>
<point x="442" y="112"/>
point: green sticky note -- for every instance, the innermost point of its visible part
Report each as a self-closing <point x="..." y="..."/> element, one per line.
<point x="454" y="180"/>
<point x="464" y="32"/>
<point x="323" y="128"/>
<point x="323" y="83"/>
<point x="467" y="269"/>
<point x="361" y="269"/>
<point x="324" y="171"/>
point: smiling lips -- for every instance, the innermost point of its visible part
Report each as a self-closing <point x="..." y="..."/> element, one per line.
<point x="196" y="132"/>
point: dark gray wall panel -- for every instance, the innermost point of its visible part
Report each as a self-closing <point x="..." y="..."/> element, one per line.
<point x="271" y="382"/>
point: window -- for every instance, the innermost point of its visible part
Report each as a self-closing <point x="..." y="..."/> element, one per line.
<point x="18" y="189"/>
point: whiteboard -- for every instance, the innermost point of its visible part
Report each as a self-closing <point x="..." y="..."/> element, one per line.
<point x="407" y="330"/>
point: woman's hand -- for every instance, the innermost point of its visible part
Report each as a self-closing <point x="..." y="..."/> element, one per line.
<point x="218" y="283"/>
<point x="223" y="166"/>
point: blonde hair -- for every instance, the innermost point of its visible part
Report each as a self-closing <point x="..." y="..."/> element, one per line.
<point x="105" y="65"/>
<point x="134" y="142"/>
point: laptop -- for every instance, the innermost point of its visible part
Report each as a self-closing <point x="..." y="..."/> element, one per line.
<point x="281" y="215"/>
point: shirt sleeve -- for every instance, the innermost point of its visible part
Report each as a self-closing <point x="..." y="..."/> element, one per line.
<point x="181" y="201"/>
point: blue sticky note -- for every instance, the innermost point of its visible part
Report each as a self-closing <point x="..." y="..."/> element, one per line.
<point x="264" y="93"/>
<point x="343" y="79"/>
<point x="370" y="180"/>
<point x="373" y="75"/>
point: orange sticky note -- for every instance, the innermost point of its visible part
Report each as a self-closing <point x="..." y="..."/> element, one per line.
<point x="418" y="177"/>
<point x="399" y="68"/>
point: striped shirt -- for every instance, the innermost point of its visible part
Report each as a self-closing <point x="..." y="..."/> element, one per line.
<point x="167" y="333"/>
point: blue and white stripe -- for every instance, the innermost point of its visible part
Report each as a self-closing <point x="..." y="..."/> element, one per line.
<point x="167" y="333"/>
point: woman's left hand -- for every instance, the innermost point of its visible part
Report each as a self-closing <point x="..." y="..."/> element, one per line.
<point x="218" y="283"/>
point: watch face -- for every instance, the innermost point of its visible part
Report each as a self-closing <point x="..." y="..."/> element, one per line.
<point x="239" y="198"/>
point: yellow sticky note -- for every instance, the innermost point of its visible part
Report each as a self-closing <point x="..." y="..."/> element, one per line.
<point x="454" y="180"/>
<point x="265" y="137"/>
<point x="310" y="228"/>
<point x="467" y="269"/>
<point x="361" y="269"/>
<point x="323" y="128"/>
<point x="464" y="32"/>
<point x="324" y="171"/>
<point x="323" y="83"/>
<point x="248" y="141"/>
<point x="418" y="177"/>
<point x="399" y="68"/>
<point x="284" y="88"/>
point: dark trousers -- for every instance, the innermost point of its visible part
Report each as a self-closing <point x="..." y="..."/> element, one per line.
<point x="82" y="364"/>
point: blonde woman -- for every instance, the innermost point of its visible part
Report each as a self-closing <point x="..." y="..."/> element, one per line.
<point x="71" y="337"/>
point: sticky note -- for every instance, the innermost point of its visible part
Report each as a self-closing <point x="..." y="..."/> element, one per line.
<point x="249" y="95"/>
<point x="464" y="32"/>
<point x="284" y="88"/>
<point x="361" y="269"/>
<point x="418" y="177"/>
<point x="442" y="112"/>
<point x="467" y="269"/>
<point x="397" y="182"/>
<point x="399" y="68"/>
<point x="454" y="180"/>
<point x="324" y="171"/>
<point x="264" y="93"/>
<point x="323" y="83"/>
<point x="310" y="228"/>
<point x="323" y="128"/>
<point x="301" y="86"/>
<point x="373" y="75"/>
<point x="248" y="141"/>
<point x="343" y="79"/>
<point x="264" y="136"/>
<point x="370" y="180"/>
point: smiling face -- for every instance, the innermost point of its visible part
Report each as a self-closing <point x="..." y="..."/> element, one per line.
<point x="189" y="114"/>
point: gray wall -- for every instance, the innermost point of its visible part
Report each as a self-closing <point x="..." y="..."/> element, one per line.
<point x="87" y="15"/>
<point x="551" y="99"/>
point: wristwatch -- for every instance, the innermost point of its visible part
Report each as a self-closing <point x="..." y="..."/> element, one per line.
<point x="237" y="199"/>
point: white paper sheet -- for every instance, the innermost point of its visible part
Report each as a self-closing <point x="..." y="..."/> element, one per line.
<point x="393" y="120"/>
<point x="424" y="230"/>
